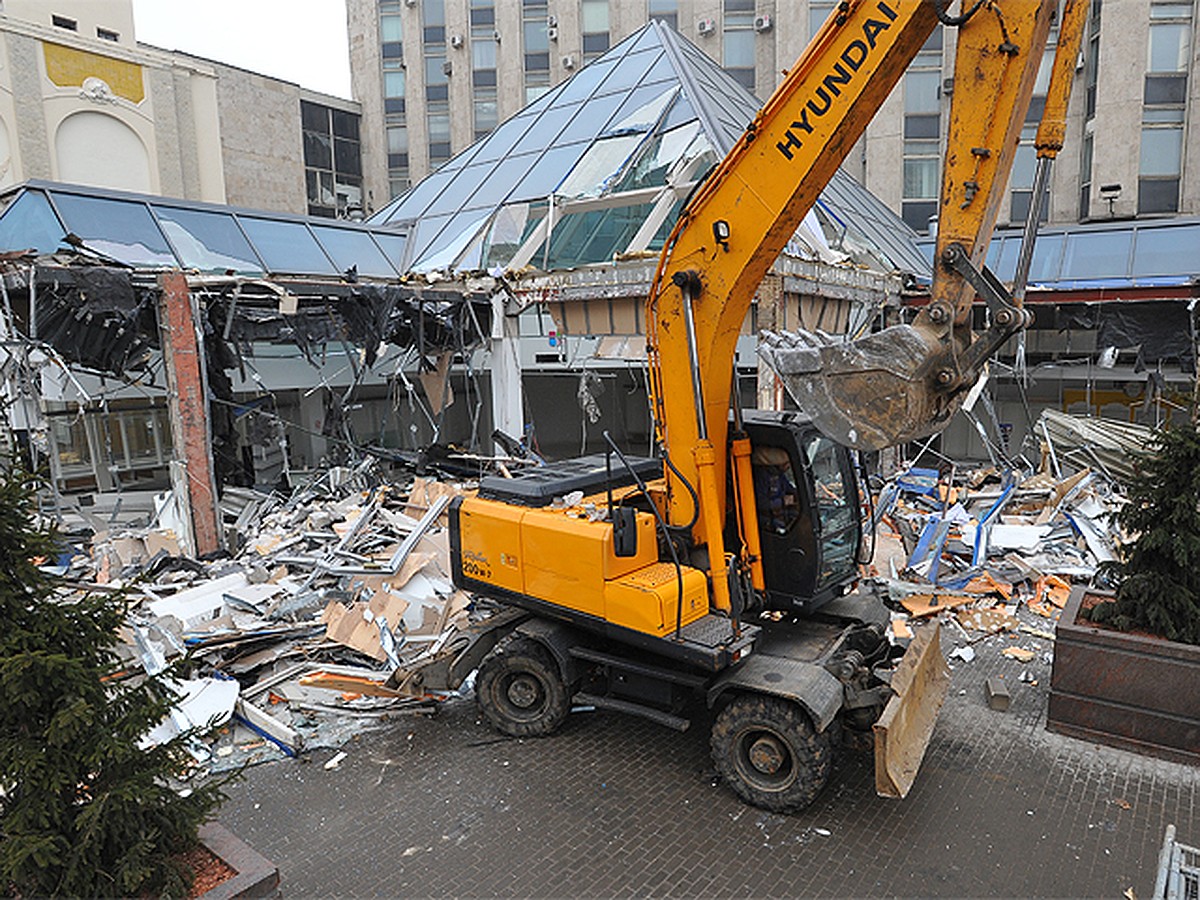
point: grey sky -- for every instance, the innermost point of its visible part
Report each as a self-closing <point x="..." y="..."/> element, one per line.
<point x="298" y="40"/>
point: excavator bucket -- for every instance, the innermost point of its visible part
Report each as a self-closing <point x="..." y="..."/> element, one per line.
<point x="920" y="683"/>
<point x="871" y="393"/>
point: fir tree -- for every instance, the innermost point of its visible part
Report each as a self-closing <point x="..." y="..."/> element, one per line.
<point x="84" y="811"/>
<point x="1158" y="577"/>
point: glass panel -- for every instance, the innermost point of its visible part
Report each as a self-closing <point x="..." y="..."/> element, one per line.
<point x="1097" y="255"/>
<point x="595" y="236"/>
<point x="510" y="227"/>
<point x="501" y="141"/>
<point x="548" y="173"/>
<point x="1170" y="43"/>
<point x="318" y="150"/>
<point x="1162" y="151"/>
<point x="314" y="117"/>
<point x="450" y="244"/>
<point x="391" y="28"/>
<point x="500" y="181"/>
<point x="1158" y="195"/>
<point x="1024" y="164"/>
<point x="435" y="72"/>
<point x="594" y="116"/>
<point x="118" y="228"/>
<point x="586" y="80"/>
<point x="393" y="248"/>
<point x="922" y="92"/>
<point x="30" y="224"/>
<point x="483" y="53"/>
<point x="434" y="12"/>
<point x="1047" y="254"/>
<point x="1170" y="115"/>
<point x="921" y="179"/>
<point x="397" y="139"/>
<point x="346" y="156"/>
<point x="665" y="152"/>
<point x="394" y="83"/>
<point x="837" y="509"/>
<point x="631" y="70"/>
<point x="536" y="38"/>
<point x="739" y="49"/>
<point x="1170" y="10"/>
<point x="544" y="131"/>
<point x="594" y="16"/>
<point x="353" y="248"/>
<point x="208" y="241"/>
<point x="287" y="246"/>
<point x="1158" y="251"/>
<point x="599" y="166"/>
<point x="486" y="114"/>
<point x="646" y="115"/>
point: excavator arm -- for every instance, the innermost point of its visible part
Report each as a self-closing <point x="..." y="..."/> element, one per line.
<point x="903" y="382"/>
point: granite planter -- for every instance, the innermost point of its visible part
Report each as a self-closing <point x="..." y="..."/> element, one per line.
<point x="256" y="876"/>
<point x="1130" y="691"/>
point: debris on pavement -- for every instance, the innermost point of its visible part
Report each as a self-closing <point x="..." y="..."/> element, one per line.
<point x="993" y="553"/>
<point x="295" y="634"/>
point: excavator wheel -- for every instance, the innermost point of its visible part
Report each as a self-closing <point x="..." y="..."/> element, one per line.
<point x="768" y="751"/>
<point x="521" y="691"/>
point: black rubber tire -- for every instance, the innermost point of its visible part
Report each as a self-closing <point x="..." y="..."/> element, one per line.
<point x="767" y="750"/>
<point x="521" y="691"/>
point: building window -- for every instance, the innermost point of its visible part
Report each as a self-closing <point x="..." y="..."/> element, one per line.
<point x="922" y="129"/>
<point x="1085" y="175"/>
<point x="486" y="111"/>
<point x="593" y="17"/>
<point x="666" y="11"/>
<point x="818" y="12"/>
<point x="1164" y="95"/>
<point x="738" y="53"/>
<point x="1091" y="61"/>
<point x="433" y="18"/>
<point x="536" y="84"/>
<point x="64" y="22"/>
<point x="332" y="161"/>
<point x="536" y="36"/>
<point x="106" y="34"/>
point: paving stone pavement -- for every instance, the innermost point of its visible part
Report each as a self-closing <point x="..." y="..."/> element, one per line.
<point x="613" y="806"/>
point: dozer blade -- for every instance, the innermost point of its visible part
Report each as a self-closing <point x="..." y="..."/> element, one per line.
<point x="875" y="392"/>
<point x="902" y="733"/>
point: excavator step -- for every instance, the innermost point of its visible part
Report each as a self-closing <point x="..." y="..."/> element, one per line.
<point x="709" y="631"/>
<point x="635" y="709"/>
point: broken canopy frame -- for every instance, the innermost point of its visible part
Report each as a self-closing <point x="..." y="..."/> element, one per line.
<point x="102" y="318"/>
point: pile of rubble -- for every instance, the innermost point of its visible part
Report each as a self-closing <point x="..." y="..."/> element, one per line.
<point x="297" y="633"/>
<point x="989" y="553"/>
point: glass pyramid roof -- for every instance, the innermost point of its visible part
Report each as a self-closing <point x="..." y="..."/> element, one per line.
<point x="598" y="168"/>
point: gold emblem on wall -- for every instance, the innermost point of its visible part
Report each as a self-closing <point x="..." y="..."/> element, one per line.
<point x="68" y="67"/>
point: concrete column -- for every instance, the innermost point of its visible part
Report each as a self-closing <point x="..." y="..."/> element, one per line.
<point x="771" y="317"/>
<point x="507" y="412"/>
<point x="312" y="419"/>
<point x="192" y="474"/>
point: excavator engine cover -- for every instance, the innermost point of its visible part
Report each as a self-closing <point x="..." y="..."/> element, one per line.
<point x="874" y="392"/>
<point x="919" y="684"/>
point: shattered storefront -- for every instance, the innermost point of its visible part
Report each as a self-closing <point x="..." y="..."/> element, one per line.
<point x="309" y="338"/>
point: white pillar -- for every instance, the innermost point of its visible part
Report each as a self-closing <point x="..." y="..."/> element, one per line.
<point x="507" y="412"/>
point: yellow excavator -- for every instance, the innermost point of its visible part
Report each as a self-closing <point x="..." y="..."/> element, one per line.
<point x="721" y="573"/>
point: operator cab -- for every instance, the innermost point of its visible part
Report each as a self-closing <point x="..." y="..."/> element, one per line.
<point x="809" y="525"/>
